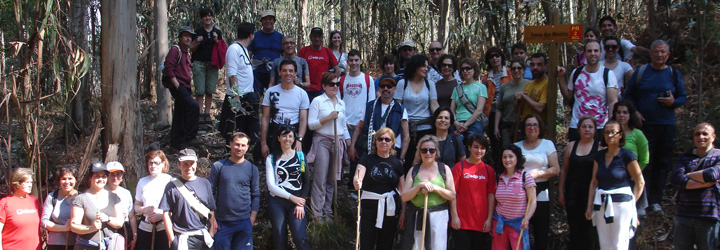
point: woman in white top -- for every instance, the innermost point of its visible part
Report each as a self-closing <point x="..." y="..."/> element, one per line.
<point x="326" y="111"/>
<point x="148" y="194"/>
<point x="541" y="163"/>
<point x="623" y="71"/>
<point x="338" y="48"/>
<point x="56" y="211"/>
<point x="288" y="183"/>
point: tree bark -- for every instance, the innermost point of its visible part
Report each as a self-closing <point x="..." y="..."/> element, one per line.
<point x="444" y="23"/>
<point x="79" y="30"/>
<point x="164" y="116"/>
<point x="302" y="19"/>
<point x="120" y="93"/>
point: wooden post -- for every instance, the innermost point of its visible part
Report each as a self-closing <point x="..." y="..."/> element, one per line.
<point x="552" y="89"/>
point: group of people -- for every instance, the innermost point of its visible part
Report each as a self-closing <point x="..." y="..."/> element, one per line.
<point x="431" y="143"/>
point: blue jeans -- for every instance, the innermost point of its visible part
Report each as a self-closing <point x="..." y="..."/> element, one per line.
<point x="661" y="143"/>
<point x="233" y="235"/>
<point x="689" y="231"/>
<point x="475" y="128"/>
<point x="281" y="215"/>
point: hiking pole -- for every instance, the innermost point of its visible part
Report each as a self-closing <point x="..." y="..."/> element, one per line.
<point x="67" y="240"/>
<point x="334" y="163"/>
<point x="152" y="240"/>
<point x="422" y="233"/>
<point x="357" y="230"/>
<point x="527" y="207"/>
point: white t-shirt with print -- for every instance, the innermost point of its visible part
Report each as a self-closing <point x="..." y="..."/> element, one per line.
<point x="591" y="96"/>
<point x="356" y="95"/>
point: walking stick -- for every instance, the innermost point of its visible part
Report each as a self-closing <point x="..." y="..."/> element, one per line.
<point x="527" y="207"/>
<point x="67" y="240"/>
<point x="422" y="233"/>
<point x="152" y="240"/>
<point x="334" y="163"/>
<point x="518" y="110"/>
<point x="357" y="230"/>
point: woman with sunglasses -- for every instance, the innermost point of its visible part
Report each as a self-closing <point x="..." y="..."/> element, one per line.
<point x="496" y="77"/>
<point x="420" y="100"/>
<point x="506" y="117"/>
<point x="379" y="176"/>
<point x="97" y="213"/>
<point x="468" y="101"/>
<point x="635" y="141"/>
<point x="516" y="201"/>
<point x="445" y="86"/>
<point x="576" y="173"/>
<point x="337" y="45"/>
<point x="623" y="71"/>
<point x="327" y="117"/>
<point x="289" y="184"/>
<point x="541" y="163"/>
<point x="434" y="180"/>
<point x="148" y="194"/>
<point x="617" y="183"/>
<point x="472" y="210"/>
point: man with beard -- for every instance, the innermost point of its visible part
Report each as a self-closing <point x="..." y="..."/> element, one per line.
<point x="379" y="113"/>
<point x="593" y="88"/>
<point x="534" y="94"/>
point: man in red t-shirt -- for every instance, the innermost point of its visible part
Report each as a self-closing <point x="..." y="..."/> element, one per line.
<point x="472" y="210"/>
<point x="320" y="59"/>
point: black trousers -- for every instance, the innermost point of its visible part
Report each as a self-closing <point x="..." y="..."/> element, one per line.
<point x="185" y="115"/>
<point x="372" y="237"/>
<point x="144" y="240"/>
<point x="541" y="220"/>
<point x="471" y="239"/>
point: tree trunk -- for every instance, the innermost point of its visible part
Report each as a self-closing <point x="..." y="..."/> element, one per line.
<point x="79" y="30"/>
<point x="164" y="116"/>
<point x="302" y="19"/>
<point x="652" y="21"/>
<point x="592" y="13"/>
<point x="444" y="23"/>
<point x="120" y="97"/>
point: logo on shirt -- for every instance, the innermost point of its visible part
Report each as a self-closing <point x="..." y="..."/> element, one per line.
<point x="26" y="211"/>
<point x="353" y="89"/>
<point x="316" y="58"/>
<point x="472" y="176"/>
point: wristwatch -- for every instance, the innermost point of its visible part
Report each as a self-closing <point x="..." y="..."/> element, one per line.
<point x="299" y="139"/>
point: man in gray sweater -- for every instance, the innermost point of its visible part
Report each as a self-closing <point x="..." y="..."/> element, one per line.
<point x="236" y="184"/>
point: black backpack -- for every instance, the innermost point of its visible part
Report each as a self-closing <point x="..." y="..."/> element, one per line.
<point x="165" y="79"/>
<point x="576" y="74"/>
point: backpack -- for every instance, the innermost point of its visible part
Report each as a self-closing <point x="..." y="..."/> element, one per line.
<point x="367" y="85"/>
<point x="576" y="74"/>
<point x="642" y="69"/>
<point x="441" y="170"/>
<point x="165" y="79"/>
<point x="300" y="156"/>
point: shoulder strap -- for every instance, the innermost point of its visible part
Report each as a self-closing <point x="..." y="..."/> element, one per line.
<point x="301" y="158"/>
<point x="464" y="100"/>
<point x="179" y="54"/>
<point x="195" y="204"/>
<point x="523" y="179"/>
<point x="575" y="76"/>
<point x="342" y="84"/>
<point x="638" y="76"/>
<point x="606" y="73"/>
<point x="55" y="198"/>
<point x="441" y="170"/>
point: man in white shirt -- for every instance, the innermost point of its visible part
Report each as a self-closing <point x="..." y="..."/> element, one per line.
<point x="593" y="89"/>
<point x="240" y="110"/>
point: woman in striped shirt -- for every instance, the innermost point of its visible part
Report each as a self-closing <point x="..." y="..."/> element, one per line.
<point x="515" y="195"/>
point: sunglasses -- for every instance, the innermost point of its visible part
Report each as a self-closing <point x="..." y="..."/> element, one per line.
<point x="516" y="68"/>
<point x="288" y="43"/>
<point x="446" y="65"/>
<point x="467" y="68"/>
<point x="612" y="133"/>
<point x="611" y="47"/>
<point x="386" y="86"/>
<point x="384" y="139"/>
<point x="333" y="84"/>
<point x="428" y="150"/>
<point x="494" y="56"/>
<point x="435" y="49"/>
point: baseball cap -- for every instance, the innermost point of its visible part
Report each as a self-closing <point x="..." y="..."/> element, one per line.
<point x="265" y="13"/>
<point x="187" y="155"/>
<point x="316" y="30"/>
<point x="387" y="79"/>
<point x="115" y="166"/>
<point x="97" y="167"/>
<point x="408" y="44"/>
<point x="187" y="29"/>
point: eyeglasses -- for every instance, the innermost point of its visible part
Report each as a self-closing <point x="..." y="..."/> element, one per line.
<point x="386" y="86"/>
<point x="467" y="68"/>
<point x="385" y="139"/>
<point x="428" y="150"/>
<point x="611" y="47"/>
<point x="446" y="65"/>
<point x="494" y="56"/>
<point x="285" y="43"/>
<point x="516" y="68"/>
<point x="333" y="84"/>
<point x="435" y="49"/>
<point x="611" y="133"/>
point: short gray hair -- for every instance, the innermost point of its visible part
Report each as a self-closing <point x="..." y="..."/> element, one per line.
<point x="659" y="42"/>
<point x="289" y="36"/>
